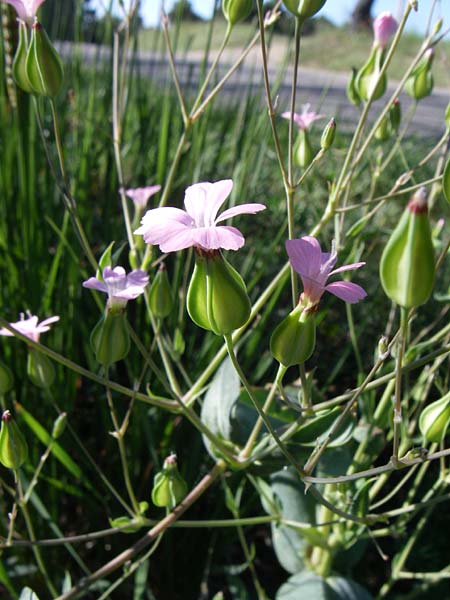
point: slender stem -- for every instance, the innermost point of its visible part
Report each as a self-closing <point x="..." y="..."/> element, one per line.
<point x="165" y="28"/>
<point x="118" y="434"/>
<point x="298" y="34"/>
<point x="398" y="383"/>
<point x="37" y="472"/>
<point x="151" y="535"/>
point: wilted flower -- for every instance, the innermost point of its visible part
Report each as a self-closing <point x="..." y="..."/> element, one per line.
<point x="315" y="267"/>
<point x="174" y="229"/>
<point x="384" y="27"/>
<point x="119" y="286"/>
<point x="141" y="196"/>
<point x="30" y="327"/>
<point x="305" y="118"/>
<point x="26" y="9"/>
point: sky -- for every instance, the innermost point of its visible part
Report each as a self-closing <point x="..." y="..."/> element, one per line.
<point x="338" y="11"/>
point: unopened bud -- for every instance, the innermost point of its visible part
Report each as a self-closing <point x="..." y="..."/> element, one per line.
<point x="304" y="8"/>
<point x="40" y="369"/>
<point x="294" y="339"/>
<point x="13" y="447"/>
<point x="395" y="114"/>
<point x="160" y="294"/>
<point x="420" y="83"/>
<point x="303" y="151"/>
<point x="169" y="487"/>
<point x="59" y="426"/>
<point x="434" y="419"/>
<point x="328" y="135"/>
<point x="352" y="92"/>
<point x="437" y="26"/>
<point x="110" y="338"/>
<point x="383" y="347"/>
<point x="20" y="61"/>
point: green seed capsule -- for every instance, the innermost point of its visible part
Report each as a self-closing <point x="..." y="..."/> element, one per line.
<point x="59" y="426"/>
<point x="303" y="151"/>
<point x="217" y="298"/>
<point x="43" y="67"/>
<point x="6" y="379"/>
<point x="420" y="83"/>
<point x="236" y="10"/>
<point x="434" y="420"/>
<point x="395" y="115"/>
<point x="384" y="130"/>
<point x="366" y="80"/>
<point x="294" y="339"/>
<point x="304" y="8"/>
<point x="13" y="447"/>
<point x="407" y="265"/>
<point x="110" y="338"/>
<point x="160" y="294"/>
<point x="40" y="369"/>
<point x="20" y="61"/>
<point x="169" y="487"/>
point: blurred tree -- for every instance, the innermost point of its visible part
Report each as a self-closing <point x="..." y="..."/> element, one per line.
<point x="361" y="15"/>
<point x="183" y="10"/>
<point x="65" y="20"/>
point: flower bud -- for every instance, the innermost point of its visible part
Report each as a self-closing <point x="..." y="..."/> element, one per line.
<point x="6" y="379"/>
<point x="20" y="61"/>
<point x="395" y="115"/>
<point x="304" y="8"/>
<point x="44" y="67"/>
<point x="367" y="84"/>
<point x="384" y="130"/>
<point x="294" y="339"/>
<point x="110" y="338"/>
<point x="407" y="264"/>
<point x="303" y="151"/>
<point x="236" y="10"/>
<point x="160" y="294"/>
<point x="435" y="418"/>
<point x="420" y="82"/>
<point x="13" y="447"/>
<point x="59" y="426"/>
<point x="328" y="135"/>
<point x="40" y="369"/>
<point x="352" y="92"/>
<point x="217" y="298"/>
<point x="169" y="487"/>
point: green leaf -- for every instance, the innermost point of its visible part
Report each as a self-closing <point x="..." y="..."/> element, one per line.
<point x="289" y="544"/>
<point x="313" y="587"/>
<point x="218" y="402"/>
<point x="124" y="522"/>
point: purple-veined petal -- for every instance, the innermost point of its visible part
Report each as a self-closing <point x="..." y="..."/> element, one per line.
<point x="347" y="268"/>
<point x="347" y="291"/>
<point x="305" y="256"/>
<point x="94" y="284"/>
<point x="138" y="277"/>
<point x="213" y="238"/>
<point x="115" y="274"/>
<point x="241" y="209"/>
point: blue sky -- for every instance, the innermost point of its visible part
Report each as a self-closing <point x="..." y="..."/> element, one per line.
<point x="337" y="11"/>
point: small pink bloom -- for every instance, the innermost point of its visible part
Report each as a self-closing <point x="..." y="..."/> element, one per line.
<point x="315" y="267"/>
<point x="384" y="27"/>
<point x="174" y="229"/>
<point x="26" y="9"/>
<point x="141" y="196"/>
<point x="305" y="118"/>
<point x="30" y="327"/>
<point x="119" y="286"/>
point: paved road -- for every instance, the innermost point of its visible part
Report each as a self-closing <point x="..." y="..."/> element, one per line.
<point x="325" y="90"/>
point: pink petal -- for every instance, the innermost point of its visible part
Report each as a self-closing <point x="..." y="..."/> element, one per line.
<point x="47" y="322"/>
<point x="348" y="267"/>
<point x="94" y="284"/>
<point x="347" y="291"/>
<point x="241" y="209"/>
<point x="213" y="238"/>
<point x="305" y="256"/>
<point x="177" y="240"/>
<point x="130" y="293"/>
<point x="138" y="277"/>
<point x="203" y="200"/>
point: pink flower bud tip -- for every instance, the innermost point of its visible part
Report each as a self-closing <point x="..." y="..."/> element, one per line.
<point x="384" y="27"/>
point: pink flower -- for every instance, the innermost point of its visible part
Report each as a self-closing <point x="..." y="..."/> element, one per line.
<point x="174" y="229"/>
<point x="30" y="327"/>
<point x="141" y="196"/>
<point x="305" y="119"/>
<point x="26" y="9"/>
<point x="315" y="267"/>
<point x="384" y="27"/>
<point x="119" y="286"/>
